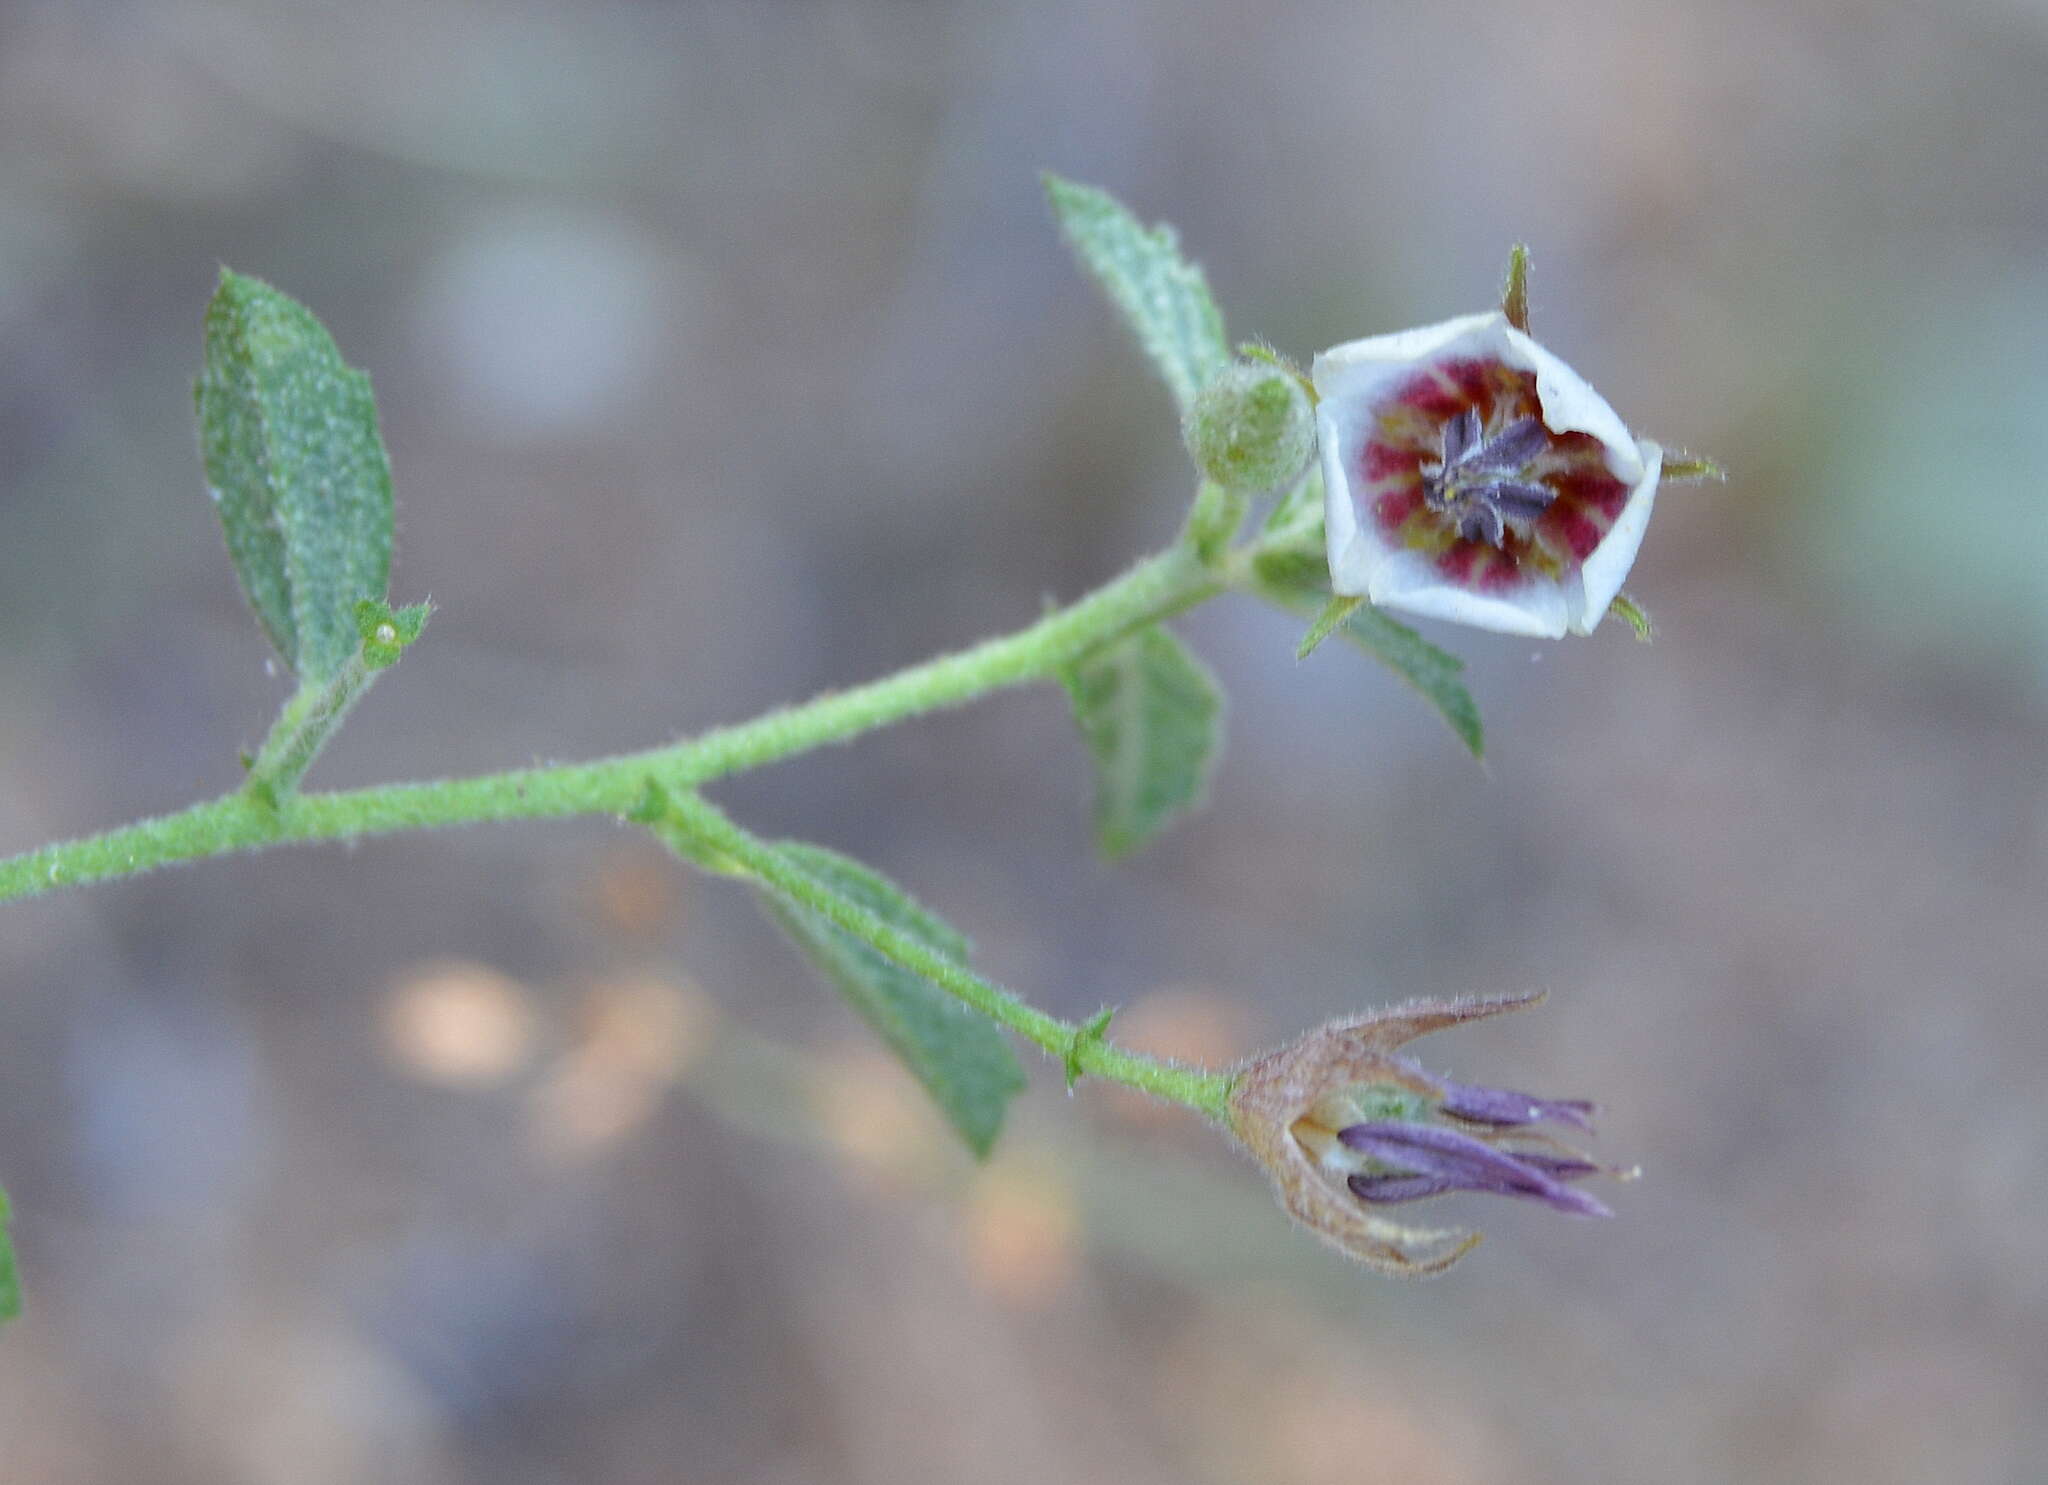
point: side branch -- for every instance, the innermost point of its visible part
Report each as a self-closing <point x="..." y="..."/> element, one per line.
<point x="1155" y="589"/>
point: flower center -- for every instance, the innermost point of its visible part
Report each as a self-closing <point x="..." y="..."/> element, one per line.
<point x="1484" y="484"/>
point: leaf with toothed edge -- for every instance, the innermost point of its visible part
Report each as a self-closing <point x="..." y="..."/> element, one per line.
<point x="1151" y="714"/>
<point x="288" y="435"/>
<point x="962" y="1059"/>
<point x="1163" y="297"/>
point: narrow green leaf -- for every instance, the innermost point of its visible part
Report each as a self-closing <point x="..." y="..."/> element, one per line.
<point x="963" y="1060"/>
<point x="1431" y="671"/>
<point x="1334" y="613"/>
<point x="288" y="435"/>
<point x="1151" y="714"/>
<point x="1163" y="297"/>
<point x="10" y="1277"/>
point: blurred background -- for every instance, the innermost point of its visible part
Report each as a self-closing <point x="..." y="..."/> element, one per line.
<point x="725" y="353"/>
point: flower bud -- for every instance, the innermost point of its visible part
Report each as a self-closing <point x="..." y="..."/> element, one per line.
<point x="1251" y="428"/>
<point x="1345" y="1126"/>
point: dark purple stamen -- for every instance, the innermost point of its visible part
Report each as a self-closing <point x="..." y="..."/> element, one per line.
<point x="1517" y="497"/>
<point x="1460" y="434"/>
<point x="1429" y="1159"/>
<point x="1510" y="449"/>
<point x="1494" y="494"/>
<point x="1482" y="522"/>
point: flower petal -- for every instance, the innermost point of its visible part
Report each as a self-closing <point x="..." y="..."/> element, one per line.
<point x="1396" y="413"/>
<point x="1602" y="574"/>
<point x="1506" y="1106"/>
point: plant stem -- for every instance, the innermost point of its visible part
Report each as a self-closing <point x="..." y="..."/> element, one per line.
<point x="312" y="716"/>
<point x="1156" y="588"/>
<point x="709" y="833"/>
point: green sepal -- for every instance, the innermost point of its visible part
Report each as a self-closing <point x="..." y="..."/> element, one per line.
<point x="963" y="1060"/>
<point x="1632" y="614"/>
<point x="1258" y="350"/>
<point x="1334" y="613"/>
<point x="655" y="810"/>
<point x="1163" y="297"/>
<point x="1151" y="715"/>
<point x="1514" y="293"/>
<point x="288" y="436"/>
<point x="385" y="632"/>
<point x="1089" y="1032"/>
<point x="1685" y="467"/>
<point x="652" y="807"/>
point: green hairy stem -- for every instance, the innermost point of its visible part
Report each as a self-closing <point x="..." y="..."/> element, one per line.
<point x="1156" y="588"/>
<point x="707" y="833"/>
<point x="257" y="818"/>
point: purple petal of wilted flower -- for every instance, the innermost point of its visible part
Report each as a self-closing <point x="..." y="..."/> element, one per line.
<point x="1381" y="1190"/>
<point x="1384" y="1189"/>
<point x="1462" y="1163"/>
<point x="1506" y="1106"/>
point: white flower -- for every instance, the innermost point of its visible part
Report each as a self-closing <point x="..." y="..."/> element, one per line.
<point x="1471" y="475"/>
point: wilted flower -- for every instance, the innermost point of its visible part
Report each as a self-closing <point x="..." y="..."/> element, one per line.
<point x="1469" y="474"/>
<point x="1345" y="1126"/>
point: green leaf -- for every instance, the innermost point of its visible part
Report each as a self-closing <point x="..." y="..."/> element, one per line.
<point x="10" y="1278"/>
<point x="1150" y="712"/>
<point x="1163" y="297"/>
<point x="1297" y="577"/>
<point x="963" y="1060"/>
<point x="288" y="435"/>
<point x="1431" y="671"/>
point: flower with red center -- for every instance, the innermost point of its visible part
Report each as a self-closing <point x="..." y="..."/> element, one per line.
<point x="1346" y="1126"/>
<point x="1471" y="475"/>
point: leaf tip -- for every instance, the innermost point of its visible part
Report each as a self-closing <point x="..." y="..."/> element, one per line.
<point x="1335" y="612"/>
